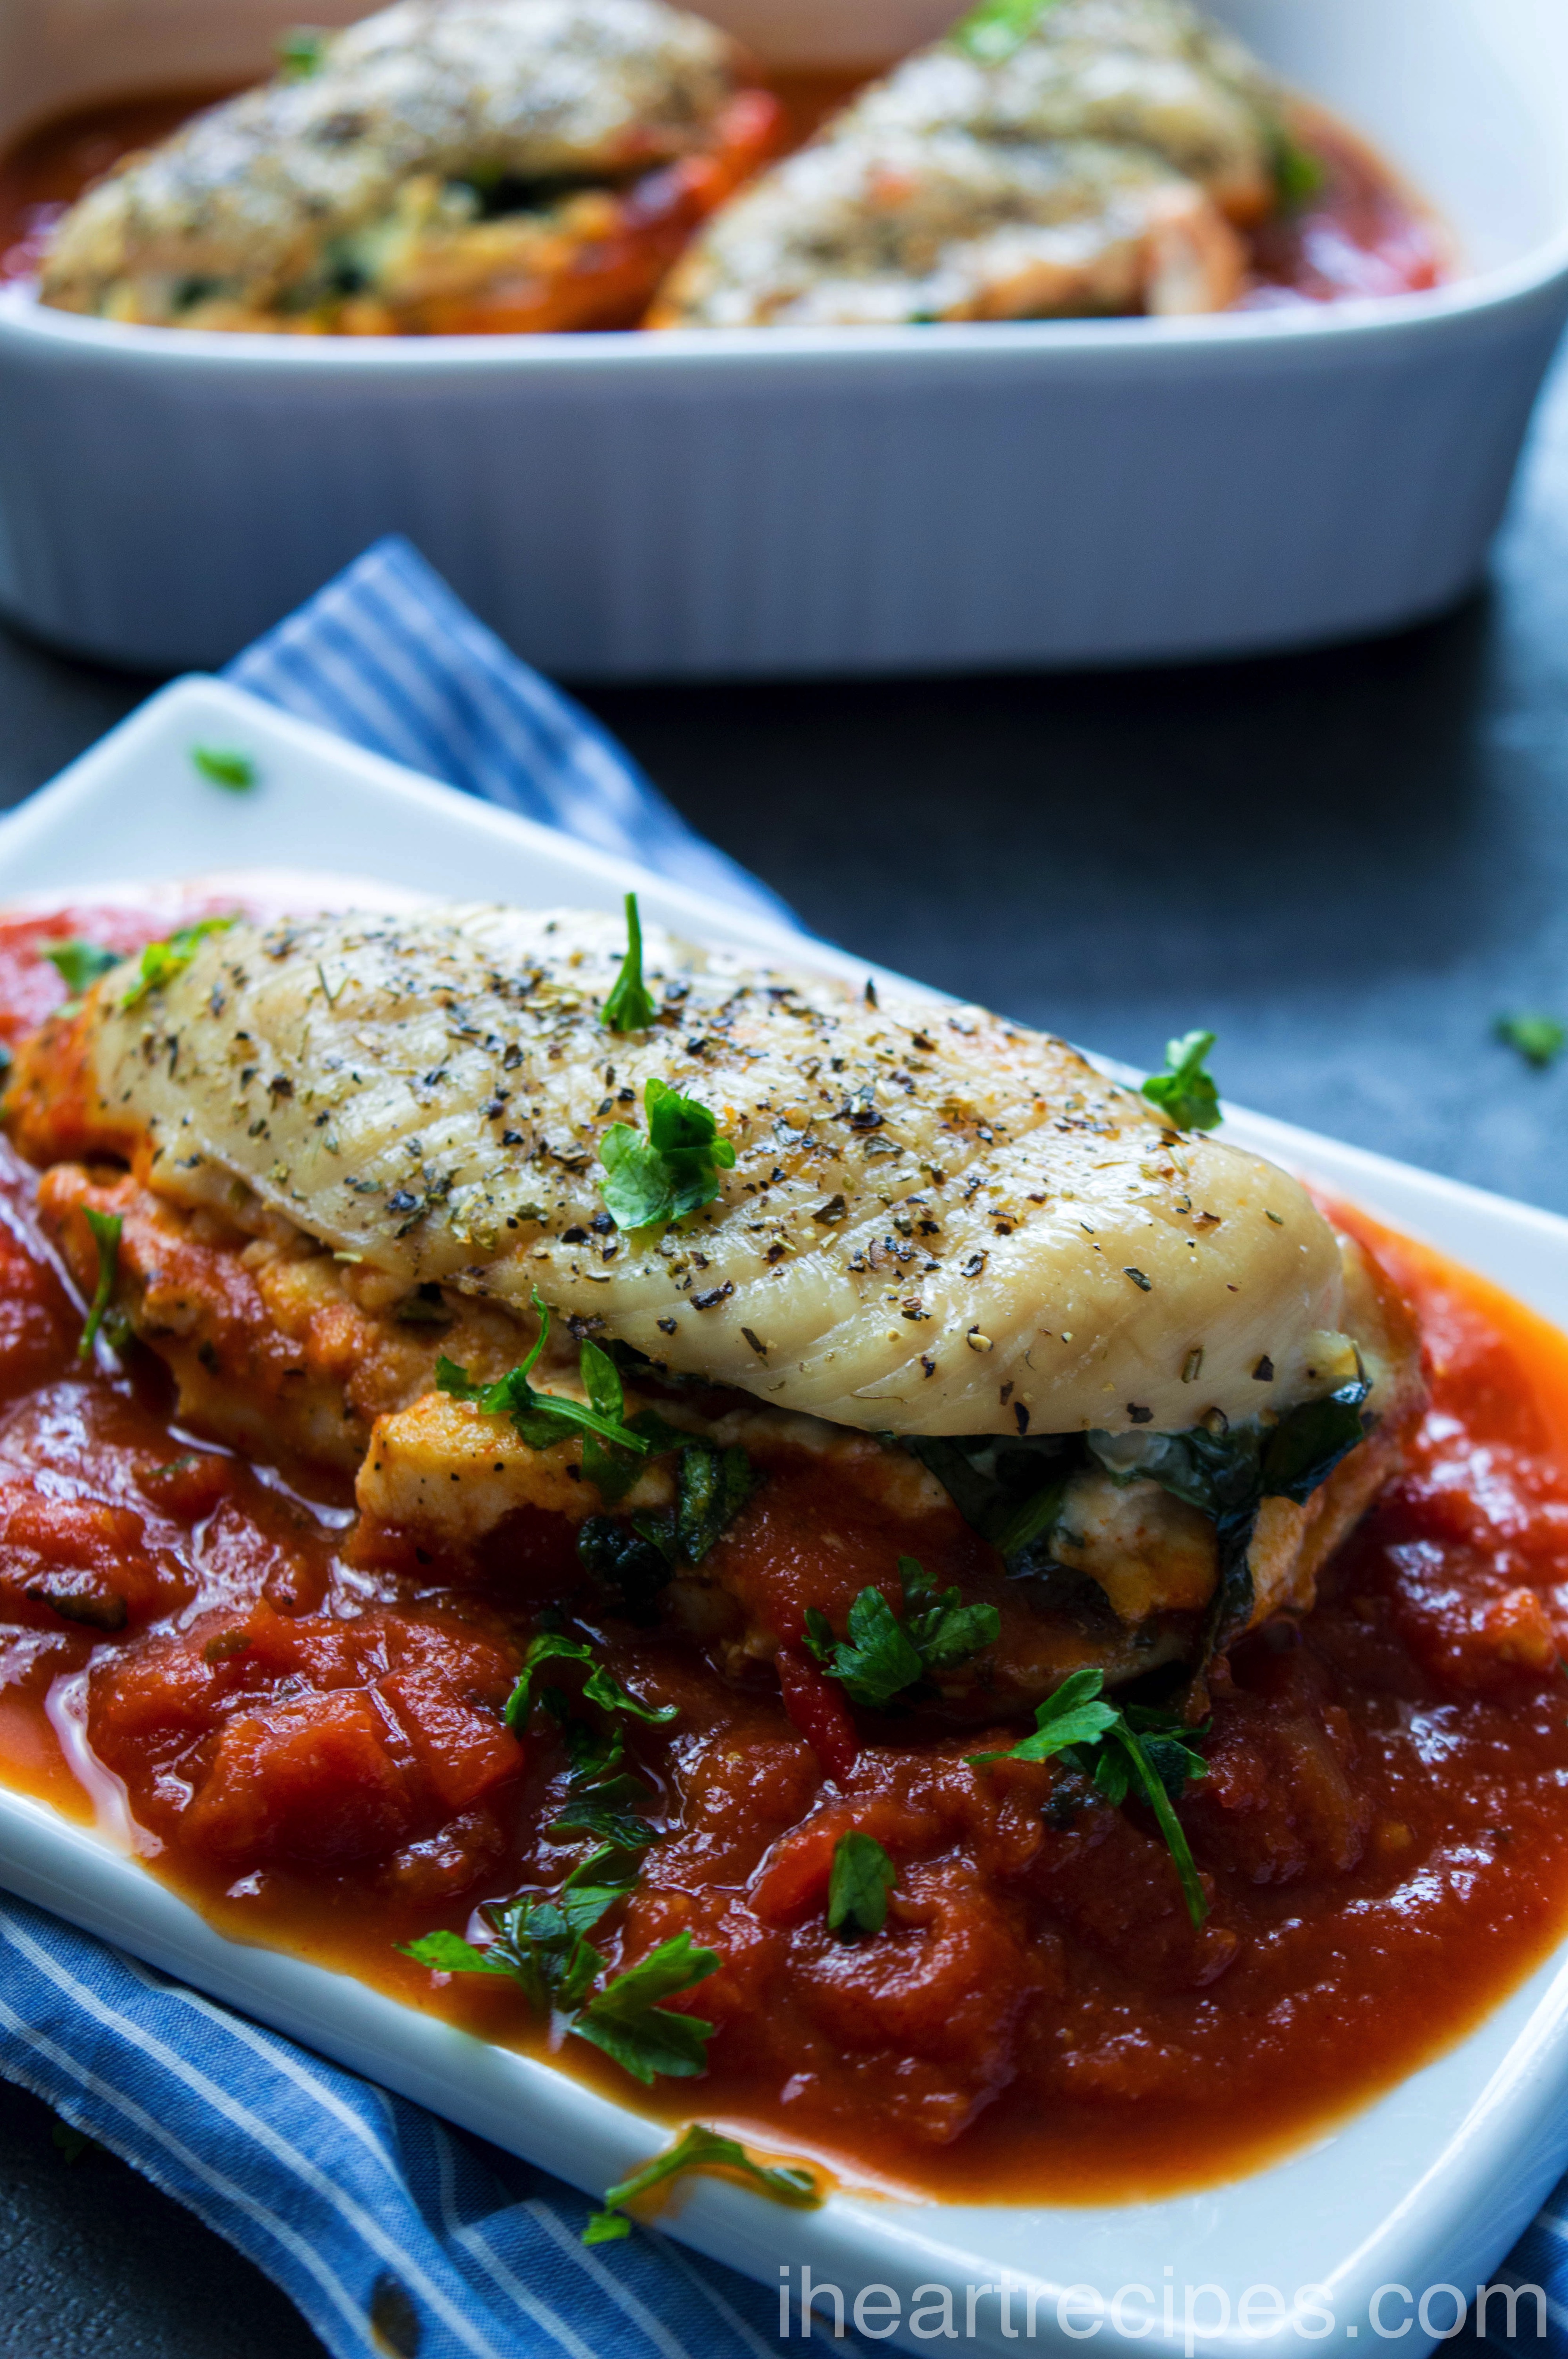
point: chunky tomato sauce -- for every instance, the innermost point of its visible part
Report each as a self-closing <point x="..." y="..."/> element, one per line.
<point x="1360" y="231"/>
<point x="297" y="1721"/>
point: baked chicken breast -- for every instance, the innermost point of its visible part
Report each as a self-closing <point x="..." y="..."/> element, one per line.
<point x="1098" y="156"/>
<point x="442" y="165"/>
<point x="1124" y="1383"/>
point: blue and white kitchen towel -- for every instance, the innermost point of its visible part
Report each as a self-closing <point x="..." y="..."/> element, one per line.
<point x="397" y="2237"/>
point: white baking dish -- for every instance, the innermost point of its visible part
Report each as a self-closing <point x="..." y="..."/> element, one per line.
<point x="1431" y="2184"/>
<point x="789" y="502"/>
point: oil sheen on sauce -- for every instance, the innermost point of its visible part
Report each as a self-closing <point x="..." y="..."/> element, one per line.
<point x="1384" y="1819"/>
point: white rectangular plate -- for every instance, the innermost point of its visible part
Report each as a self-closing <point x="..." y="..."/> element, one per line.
<point x="1431" y="2183"/>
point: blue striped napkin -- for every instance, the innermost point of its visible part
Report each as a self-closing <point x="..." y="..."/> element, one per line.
<point x="399" y="2237"/>
<point x="387" y="655"/>
<point x="395" y="2234"/>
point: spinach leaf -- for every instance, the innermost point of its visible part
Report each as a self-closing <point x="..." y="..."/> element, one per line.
<point x="714" y="1485"/>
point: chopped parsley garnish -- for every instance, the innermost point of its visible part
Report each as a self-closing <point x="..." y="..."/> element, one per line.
<point x="698" y="2148"/>
<point x="611" y="1467"/>
<point x="161" y="962"/>
<point x="301" y="51"/>
<point x="113" y="1325"/>
<point x="609" y="1810"/>
<point x="1112" y="1748"/>
<point x="543" y="1946"/>
<point x="858" y="1888"/>
<point x="631" y="1007"/>
<point x="882" y="1654"/>
<point x="996" y="27"/>
<point x="223" y="766"/>
<point x="78" y="964"/>
<point x="671" y="1170"/>
<point x="542" y="1418"/>
<point x="541" y="1942"/>
<point x="1186" y="1092"/>
<point x="600" y="1688"/>
<point x="625" y="2020"/>
<point x="1539" y="1039"/>
<point x="1298" y="174"/>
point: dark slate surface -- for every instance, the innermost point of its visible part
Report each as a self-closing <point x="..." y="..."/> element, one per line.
<point x="1348" y="863"/>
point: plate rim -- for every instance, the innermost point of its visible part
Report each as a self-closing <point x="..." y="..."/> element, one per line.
<point x="1497" y="2150"/>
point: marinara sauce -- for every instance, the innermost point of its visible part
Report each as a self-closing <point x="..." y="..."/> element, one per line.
<point x="297" y="1721"/>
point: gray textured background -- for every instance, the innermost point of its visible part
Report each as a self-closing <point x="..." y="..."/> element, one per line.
<point x="1346" y="863"/>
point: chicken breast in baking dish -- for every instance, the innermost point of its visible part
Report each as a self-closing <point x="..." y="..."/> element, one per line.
<point x="1092" y="156"/>
<point x="934" y="1264"/>
<point x="445" y="164"/>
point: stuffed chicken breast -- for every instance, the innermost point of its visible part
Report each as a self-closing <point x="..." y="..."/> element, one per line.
<point x="844" y="1259"/>
<point x="1098" y="156"/>
<point x="445" y="164"/>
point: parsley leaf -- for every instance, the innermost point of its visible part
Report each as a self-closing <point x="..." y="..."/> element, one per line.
<point x="876" y="1661"/>
<point x="301" y="51"/>
<point x="607" y="1809"/>
<point x="1071" y="1716"/>
<point x="612" y="1467"/>
<point x="543" y="1946"/>
<point x="996" y="27"/>
<point x="629" y="1006"/>
<point x="78" y="964"/>
<point x="858" y="1888"/>
<point x="1539" y="1039"/>
<point x="1116" y="1748"/>
<point x="449" y="1953"/>
<point x="881" y="1656"/>
<point x="543" y="1419"/>
<point x="555" y="1647"/>
<point x="698" y="2148"/>
<point x="1186" y="1092"/>
<point x="944" y="1633"/>
<point x="592" y="1754"/>
<point x="161" y="962"/>
<point x="114" y="1326"/>
<point x="1298" y="174"/>
<point x="672" y="1169"/>
<point x="223" y="766"/>
<point x="625" y="2020"/>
